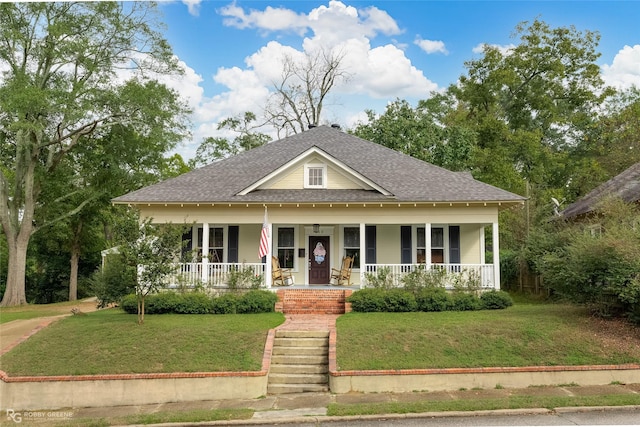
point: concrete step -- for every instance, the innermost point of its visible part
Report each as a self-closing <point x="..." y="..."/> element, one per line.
<point x="299" y="369"/>
<point x="299" y="359"/>
<point x="298" y="379"/>
<point x="301" y="351"/>
<point x="301" y="334"/>
<point x="321" y="342"/>
<point x="296" y="388"/>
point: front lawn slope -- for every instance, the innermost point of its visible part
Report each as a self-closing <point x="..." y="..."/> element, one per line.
<point x="523" y="335"/>
<point x="111" y="342"/>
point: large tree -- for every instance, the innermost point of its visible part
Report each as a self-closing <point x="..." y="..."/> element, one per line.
<point x="62" y="88"/>
<point x="299" y="96"/>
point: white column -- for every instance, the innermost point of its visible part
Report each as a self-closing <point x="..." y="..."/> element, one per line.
<point x="363" y="252"/>
<point x="205" y="252"/>
<point x="496" y="257"/>
<point x="427" y="245"/>
<point x="268" y="269"/>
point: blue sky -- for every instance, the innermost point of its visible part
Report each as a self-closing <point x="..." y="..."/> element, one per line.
<point x="395" y="49"/>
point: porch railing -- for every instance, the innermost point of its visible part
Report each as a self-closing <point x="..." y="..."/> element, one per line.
<point x="475" y="275"/>
<point x="190" y="274"/>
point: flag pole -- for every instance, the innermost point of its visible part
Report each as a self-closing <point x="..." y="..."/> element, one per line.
<point x="264" y="249"/>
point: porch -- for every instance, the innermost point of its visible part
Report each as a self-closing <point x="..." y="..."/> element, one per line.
<point x="222" y="276"/>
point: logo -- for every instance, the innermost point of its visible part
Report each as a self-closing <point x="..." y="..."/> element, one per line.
<point x="16" y="417"/>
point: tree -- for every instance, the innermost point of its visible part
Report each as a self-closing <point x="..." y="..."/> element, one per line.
<point x="212" y="149"/>
<point x="153" y="250"/>
<point x="300" y="94"/>
<point x="61" y="91"/>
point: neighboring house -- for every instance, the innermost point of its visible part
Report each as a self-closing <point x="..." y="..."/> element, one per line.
<point x="328" y="194"/>
<point x="626" y="186"/>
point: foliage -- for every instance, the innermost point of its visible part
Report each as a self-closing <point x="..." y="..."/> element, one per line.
<point x="422" y="277"/>
<point x="244" y="278"/>
<point x="257" y="301"/>
<point x="112" y="282"/>
<point x="598" y="267"/>
<point x="60" y="99"/>
<point x="382" y="278"/>
<point x="367" y="300"/>
<point x="225" y="304"/>
<point x="399" y="300"/>
<point x="433" y="299"/>
<point x="496" y="300"/>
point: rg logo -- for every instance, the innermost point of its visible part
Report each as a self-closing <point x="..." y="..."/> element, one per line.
<point x="16" y="417"/>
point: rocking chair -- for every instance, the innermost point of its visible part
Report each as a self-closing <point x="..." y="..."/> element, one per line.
<point x="344" y="273"/>
<point x="283" y="276"/>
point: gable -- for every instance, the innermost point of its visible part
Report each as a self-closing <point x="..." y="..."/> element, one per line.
<point x="294" y="175"/>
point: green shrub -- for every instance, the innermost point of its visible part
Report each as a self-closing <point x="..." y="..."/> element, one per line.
<point x="129" y="304"/>
<point x="381" y="279"/>
<point x="162" y="303"/>
<point x="112" y="282"/>
<point x="224" y="304"/>
<point x="193" y="303"/>
<point x="244" y="278"/>
<point x="368" y="300"/>
<point x="399" y="300"/>
<point x="434" y="299"/>
<point x="257" y="301"/>
<point x="496" y="300"/>
<point x="462" y="301"/>
<point x="420" y="278"/>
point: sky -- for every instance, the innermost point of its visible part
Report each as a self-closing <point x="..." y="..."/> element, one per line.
<point x="231" y="51"/>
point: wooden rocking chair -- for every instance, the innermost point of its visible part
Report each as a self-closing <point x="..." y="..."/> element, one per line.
<point x="280" y="275"/>
<point x="344" y="273"/>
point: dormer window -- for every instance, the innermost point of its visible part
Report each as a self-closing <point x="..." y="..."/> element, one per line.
<point x="315" y="176"/>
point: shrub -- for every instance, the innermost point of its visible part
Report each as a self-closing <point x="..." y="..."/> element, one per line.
<point x="399" y="300"/>
<point x="367" y="300"/>
<point x="129" y="304"/>
<point x="244" y="278"/>
<point x="462" y="301"/>
<point x="434" y="299"/>
<point x="420" y="278"/>
<point x="113" y="282"/>
<point x="192" y="303"/>
<point x="381" y="279"/>
<point x="224" y="304"/>
<point x="496" y="300"/>
<point x="257" y="301"/>
<point x="162" y="303"/>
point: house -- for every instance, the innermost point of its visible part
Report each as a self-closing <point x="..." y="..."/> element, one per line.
<point x="626" y="186"/>
<point x="324" y="194"/>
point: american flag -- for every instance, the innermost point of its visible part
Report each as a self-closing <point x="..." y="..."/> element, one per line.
<point x="264" y="237"/>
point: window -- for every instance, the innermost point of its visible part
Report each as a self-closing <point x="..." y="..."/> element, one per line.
<point x="437" y="246"/>
<point x="352" y="244"/>
<point x="315" y="176"/>
<point x="286" y="246"/>
<point x="216" y="244"/>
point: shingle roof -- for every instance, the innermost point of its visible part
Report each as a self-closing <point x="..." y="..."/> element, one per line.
<point x="626" y="185"/>
<point x="406" y="178"/>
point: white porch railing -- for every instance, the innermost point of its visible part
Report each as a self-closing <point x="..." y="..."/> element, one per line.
<point x="481" y="275"/>
<point x="190" y="274"/>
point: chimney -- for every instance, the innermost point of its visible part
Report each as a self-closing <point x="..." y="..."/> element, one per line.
<point x="311" y="126"/>
<point x="335" y="126"/>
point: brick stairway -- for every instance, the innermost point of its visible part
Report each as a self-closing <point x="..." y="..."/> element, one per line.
<point x="313" y="301"/>
<point x="299" y="362"/>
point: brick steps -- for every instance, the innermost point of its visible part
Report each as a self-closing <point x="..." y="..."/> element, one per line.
<point x="312" y="301"/>
<point x="299" y="362"/>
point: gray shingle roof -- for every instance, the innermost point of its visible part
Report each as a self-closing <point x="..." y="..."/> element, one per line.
<point x="626" y="185"/>
<point x="406" y="178"/>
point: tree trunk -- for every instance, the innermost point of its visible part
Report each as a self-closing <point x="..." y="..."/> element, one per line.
<point x="75" y="260"/>
<point x="17" y="266"/>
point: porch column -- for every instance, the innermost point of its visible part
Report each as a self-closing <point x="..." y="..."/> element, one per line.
<point x="363" y="252"/>
<point x="268" y="268"/>
<point x="496" y="257"/>
<point x="205" y="252"/>
<point x="427" y="245"/>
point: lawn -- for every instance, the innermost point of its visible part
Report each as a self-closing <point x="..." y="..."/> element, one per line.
<point x="110" y="341"/>
<point x="522" y="335"/>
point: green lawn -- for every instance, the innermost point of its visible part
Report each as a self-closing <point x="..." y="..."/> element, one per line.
<point x="110" y="341"/>
<point x="522" y="335"/>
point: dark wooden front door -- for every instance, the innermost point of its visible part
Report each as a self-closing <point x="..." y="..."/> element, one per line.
<point x="319" y="260"/>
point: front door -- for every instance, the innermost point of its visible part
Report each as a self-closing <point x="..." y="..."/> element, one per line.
<point x="319" y="261"/>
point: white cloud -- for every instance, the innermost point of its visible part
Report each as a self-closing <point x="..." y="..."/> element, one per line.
<point x="431" y="46"/>
<point x="271" y="19"/>
<point x="624" y="72"/>
<point x="504" y="49"/>
<point x="193" y="6"/>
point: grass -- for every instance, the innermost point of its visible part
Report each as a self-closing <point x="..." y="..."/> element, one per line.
<point x="523" y="335"/>
<point x="111" y="342"/>
<point x="32" y="311"/>
<point x="510" y="402"/>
